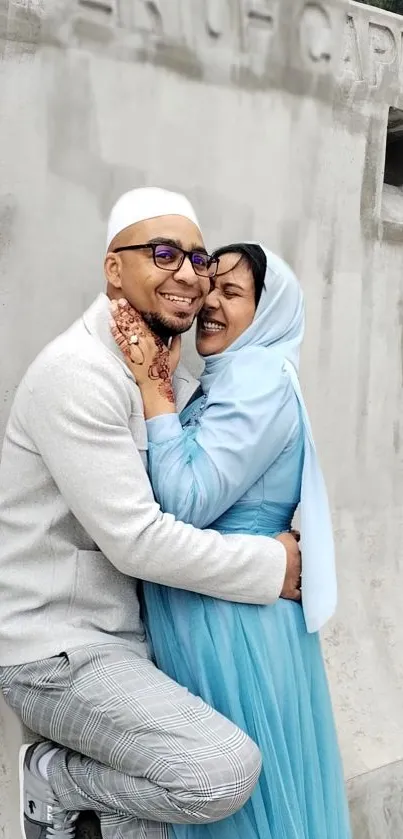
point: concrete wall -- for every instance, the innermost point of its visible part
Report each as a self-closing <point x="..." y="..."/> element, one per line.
<point x="272" y="117"/>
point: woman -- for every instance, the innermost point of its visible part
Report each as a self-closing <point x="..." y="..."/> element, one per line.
<point x="240" y="459"/>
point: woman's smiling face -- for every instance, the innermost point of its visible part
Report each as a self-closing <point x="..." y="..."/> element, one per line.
<point x="229" y="307"/>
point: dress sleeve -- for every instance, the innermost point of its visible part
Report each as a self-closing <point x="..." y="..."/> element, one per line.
<point x="250" y="417"/>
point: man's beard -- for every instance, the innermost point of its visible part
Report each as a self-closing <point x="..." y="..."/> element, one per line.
<point x="163" y="327"/>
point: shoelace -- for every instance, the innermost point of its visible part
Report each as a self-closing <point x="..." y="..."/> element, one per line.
<point x="64" y="824"/>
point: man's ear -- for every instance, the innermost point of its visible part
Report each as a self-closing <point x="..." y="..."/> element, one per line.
<point x="113" y="269"/>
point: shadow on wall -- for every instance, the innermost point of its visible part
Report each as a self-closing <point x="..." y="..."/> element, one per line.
<point x="394" y="149"/>
<point x="392" y="193"/>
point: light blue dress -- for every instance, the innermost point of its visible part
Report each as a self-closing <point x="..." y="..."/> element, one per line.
<point x="235" y="464"/>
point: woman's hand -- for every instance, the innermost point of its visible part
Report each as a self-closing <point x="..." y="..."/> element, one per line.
<point x="150" y="361"/>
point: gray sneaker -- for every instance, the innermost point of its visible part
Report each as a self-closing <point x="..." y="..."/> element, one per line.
<point x="41" y="816"/>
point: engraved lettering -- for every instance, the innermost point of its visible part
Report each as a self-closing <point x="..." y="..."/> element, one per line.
<point x="214" y="22"/>
<point x="261" y="17"/>
<point x="315" y="33"/>
<point x="97" y="6"/>
<point x="259" y="33"/>
<point x="382" y="49"/>
<point x="102" y="13"/>
<point x="155" y="15"/>
<point x="225" y="37"/>
<point x="210" y="26"/>
<point x="352" y="64"/>
<point x="141" y="16"/>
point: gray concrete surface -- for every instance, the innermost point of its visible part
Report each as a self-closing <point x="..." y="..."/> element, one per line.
<point x="272" y="116"/>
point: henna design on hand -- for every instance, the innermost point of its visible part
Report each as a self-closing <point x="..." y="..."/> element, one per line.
<point x="160" y="370"/>
<point x="128" y="324"/>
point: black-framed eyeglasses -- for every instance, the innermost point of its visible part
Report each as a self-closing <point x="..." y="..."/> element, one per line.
<point x="172" y="257"/>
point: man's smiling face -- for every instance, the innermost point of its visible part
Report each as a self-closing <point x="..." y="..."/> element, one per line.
<point x="169" y="300"/>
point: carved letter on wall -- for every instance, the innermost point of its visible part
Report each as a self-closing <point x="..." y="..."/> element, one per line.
<point x="214" y="18"/>
<point x="213" y="28"/>
<point x="102" y="10"/>
<point x="140" y="15"/>
<point x="352" y="64"/>
<point x="259" y="28"/>
<point x="103" y="6"/>
<point x="316" y="33"/>
<point x="382" y="51"/>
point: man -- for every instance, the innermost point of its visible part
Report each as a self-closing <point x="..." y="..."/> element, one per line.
<point x="78" y="527"/>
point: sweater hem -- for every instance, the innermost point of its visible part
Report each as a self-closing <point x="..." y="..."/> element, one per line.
<point x="12" y="654"/>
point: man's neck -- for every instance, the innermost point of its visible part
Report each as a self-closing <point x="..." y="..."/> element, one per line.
<point x="157" y="327"/>
<point x="161" y="332"/>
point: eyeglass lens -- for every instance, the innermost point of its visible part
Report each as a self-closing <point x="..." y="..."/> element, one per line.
<point x="169" y="257"/>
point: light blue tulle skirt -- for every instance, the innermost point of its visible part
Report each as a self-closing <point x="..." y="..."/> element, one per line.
<point x="259" y="667"/>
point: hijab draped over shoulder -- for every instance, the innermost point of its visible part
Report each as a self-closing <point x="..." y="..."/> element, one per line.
<point x="276" y="333"/>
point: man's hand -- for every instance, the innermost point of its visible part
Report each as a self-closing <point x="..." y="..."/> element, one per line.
<point x="292" y="583"/>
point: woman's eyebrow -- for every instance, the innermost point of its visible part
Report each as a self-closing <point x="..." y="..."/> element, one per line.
<point x="230" y="284"/>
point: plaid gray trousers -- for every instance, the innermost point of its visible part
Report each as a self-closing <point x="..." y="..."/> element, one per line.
<point x="142" y="750"/>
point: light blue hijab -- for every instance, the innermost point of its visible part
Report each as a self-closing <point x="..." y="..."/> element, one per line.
<point x="279" y="325"/>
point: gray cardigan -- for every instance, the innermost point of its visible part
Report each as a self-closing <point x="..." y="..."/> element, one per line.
<point x="78" y="521"/>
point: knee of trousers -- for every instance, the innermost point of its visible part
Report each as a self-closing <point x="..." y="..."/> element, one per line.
<point x="218" y="794"/>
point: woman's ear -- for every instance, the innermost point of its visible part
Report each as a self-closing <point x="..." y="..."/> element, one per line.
<point x="113" y="269"/>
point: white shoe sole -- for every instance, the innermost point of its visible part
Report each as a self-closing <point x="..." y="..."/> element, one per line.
<point x="21" y="766"/>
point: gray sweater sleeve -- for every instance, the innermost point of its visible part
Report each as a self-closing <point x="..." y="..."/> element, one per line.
<point x="81" y="422"/>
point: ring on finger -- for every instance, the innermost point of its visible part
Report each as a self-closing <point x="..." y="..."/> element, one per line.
<point x="134" y="339"/>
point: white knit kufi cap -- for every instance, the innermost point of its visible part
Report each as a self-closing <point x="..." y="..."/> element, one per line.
<point x="147" y="202"/>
